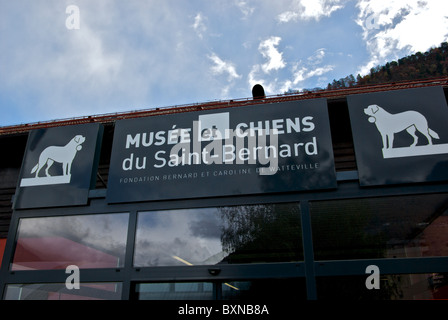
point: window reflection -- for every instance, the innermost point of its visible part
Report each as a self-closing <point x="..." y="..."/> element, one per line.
<point x="87" y="241"/>
<point x="392" y="287"/>
<point x="174" y="291"/>
<point x="238" y="234"/>
<point x="58" y="291"/>
<point x="389" y="227"/>
<point x="265" y="289"/>
<point x="258" y="289"/>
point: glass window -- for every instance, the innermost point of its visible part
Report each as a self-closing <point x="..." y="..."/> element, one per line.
<point x="389" y="227"/>
<point x="265" y="289"/>
<point x="174" y="291"/>
<point x="2" y="249"/>
<point x="281" y="289"/>
<point x="237" y="234"/>
<point x="391" y="287"/>
<point x="87" y="241"/>
<point x="58" y="291"/>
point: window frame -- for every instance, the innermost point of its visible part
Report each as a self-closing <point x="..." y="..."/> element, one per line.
<point x="348" y="188"/>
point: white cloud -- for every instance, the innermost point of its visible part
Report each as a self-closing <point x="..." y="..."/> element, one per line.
<point x="274" y="63"/>
<point x="317" y="57"/>
<point x="223" y="67"/>
<point x="393" y="28"/>
<point x="90" y="56"/>
<point x="291" y="77"/>
<point x="199" y="24"/>
<point x="269" y="51"/>
<point x="60" y="66"/>
<point x="311" y="9"/>
<point x="254" y="78"/>
<point x="303" y="73"/>
<point x="245" y="9"/>
<point x="125" y="56"/>
<point x="142" y="54"/>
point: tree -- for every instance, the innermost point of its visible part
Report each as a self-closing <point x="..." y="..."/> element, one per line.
<point x="432" y="63"/>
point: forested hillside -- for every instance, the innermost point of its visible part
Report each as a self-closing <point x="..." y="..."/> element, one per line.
<point x="433" y="63"/>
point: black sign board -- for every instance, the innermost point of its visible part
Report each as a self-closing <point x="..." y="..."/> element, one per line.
<point x="400" y="136"/>
<point x="59" y="166"/>
<point x="243" y="150"/>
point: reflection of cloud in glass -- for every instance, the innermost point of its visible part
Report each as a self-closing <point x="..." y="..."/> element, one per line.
<point x="193" y="235"/>
<point x="105" y="233"/>
<point x="208" y="226"/>
<point x="215" y="235"/>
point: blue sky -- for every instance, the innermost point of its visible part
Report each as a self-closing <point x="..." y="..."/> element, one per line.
<point x="141" y="54"/>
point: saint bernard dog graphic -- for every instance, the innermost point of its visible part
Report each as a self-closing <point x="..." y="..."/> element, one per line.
<point x="389" y="124"/>
<point x="63" y="155"/>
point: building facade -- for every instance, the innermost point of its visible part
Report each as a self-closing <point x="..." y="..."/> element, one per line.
<point x="328" y="195"/>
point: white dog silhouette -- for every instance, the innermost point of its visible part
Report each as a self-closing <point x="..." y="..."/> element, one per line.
<point x="63" y="155"/>
<point x="388" y="124"/>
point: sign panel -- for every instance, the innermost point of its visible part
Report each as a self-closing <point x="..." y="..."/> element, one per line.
<point x="58" y="167"/>
<point x="400" y="136"/>
<point x="245" y="150"/>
